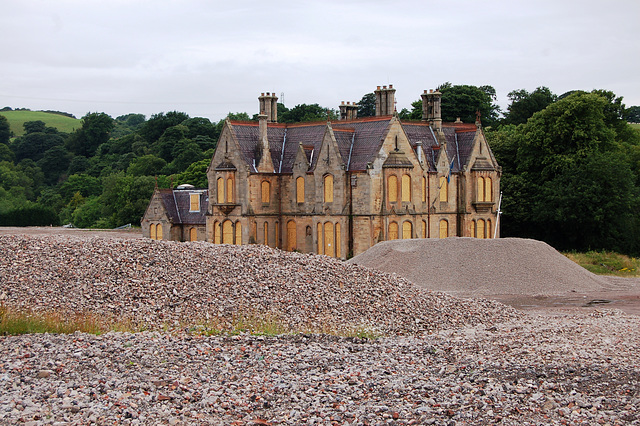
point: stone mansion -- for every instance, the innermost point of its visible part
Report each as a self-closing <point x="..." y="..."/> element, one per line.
<point x="337" y="188"/>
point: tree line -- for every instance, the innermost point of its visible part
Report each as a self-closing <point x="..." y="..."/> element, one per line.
<point x="570" y="163"/>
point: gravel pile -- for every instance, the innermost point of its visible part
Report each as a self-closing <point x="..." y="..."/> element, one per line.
<point x="159" y="284"/>
<point x="551" y="370"/>
<point x="471" y="266"/>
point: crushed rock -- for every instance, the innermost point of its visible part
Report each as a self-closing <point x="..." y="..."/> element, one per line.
<point x="471" y="266"/>
<point x="160" y="284"/>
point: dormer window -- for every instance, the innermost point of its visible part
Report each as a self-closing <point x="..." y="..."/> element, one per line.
<point x="194" y="202"/>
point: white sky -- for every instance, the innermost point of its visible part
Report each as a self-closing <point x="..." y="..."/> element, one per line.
<point x="208" y="58"/>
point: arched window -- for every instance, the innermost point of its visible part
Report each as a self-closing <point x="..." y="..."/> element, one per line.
<point x="444" y="189"/>
<point x="424" y="229"/>
<point x="320" y="243"/>
<point x="488" y="189"/>
<point x="292" y="237"/>
<point x="393" y="231"/>
<point x="220" y="188"/>
<point x="480" y="188"/>
<point x="266" y="192"/>
<point x="238" y="233"/>
<point x="472" y="229"/>
<point x="329" y="247"/>
<point x="229" y="190"/>
<point x="338" y="236"/>
<point x="489" y="233"/>
<point x="406" y="188"/>
<point x="300" y="190"/>
<point x="328" y="189"/>
<point x="193" y="234"/>
<point x="480" y="229"/>
<point x="152" y="231"/>
<point x="217" y="236"/>
<point x="392" y="183"/>
<point x="265" y="230"/>
<point x="227" y="232"/>
<point x="444" y="228"/>
<point x="407" y="230"/>
<point x="424" y="189"/>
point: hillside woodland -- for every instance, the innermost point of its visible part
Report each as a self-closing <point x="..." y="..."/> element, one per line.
<point x="571" y="163"/>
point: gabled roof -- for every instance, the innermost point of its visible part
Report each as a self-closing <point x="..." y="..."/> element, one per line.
<point x="459" y="138"/>
<point x="358" y="141"/>
<point x="177" y="203"/>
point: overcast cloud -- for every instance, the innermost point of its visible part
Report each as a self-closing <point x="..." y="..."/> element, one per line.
<point x="209" y="58"/>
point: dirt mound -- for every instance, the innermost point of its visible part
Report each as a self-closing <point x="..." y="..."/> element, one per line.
<point x="470" y="266"/>
<point x="162" y="283"/>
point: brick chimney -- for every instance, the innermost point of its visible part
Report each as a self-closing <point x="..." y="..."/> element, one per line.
<point x="385" y="100"/>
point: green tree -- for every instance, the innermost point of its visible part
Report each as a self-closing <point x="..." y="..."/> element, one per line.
<point x="367" y="105"/>
<point x="85" y="185"/>
<point x="414" y="114"/>
<point x="308" y="112"/>
<point x="6" y="154"/>
<point x="524" y="104"/>
<point x="567" y="178"/>
<point x="153" y="128"/>
<point x="195" y="174"/>
<point x="462" y="101"/>
<point x="36" y="126"/>
<point x="96" y="129"/>
<point x="165" y="146"/>
<point x="125" y="198"/>
<point x="5" y="130"/>
<point x="87" y="214"/>
<point x="632" y="114"/>
<point x="54" y="163"/>
<point x="33" y="145"/>
<point x="147" y="165"/>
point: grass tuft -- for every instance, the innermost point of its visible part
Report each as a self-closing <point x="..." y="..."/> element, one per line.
<point x="15" y="321"/>
<point x="607" y="263"/>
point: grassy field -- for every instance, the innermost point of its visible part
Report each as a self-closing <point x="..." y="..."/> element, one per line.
<point x="60" y="122"/>
<point x="607" y="263"/>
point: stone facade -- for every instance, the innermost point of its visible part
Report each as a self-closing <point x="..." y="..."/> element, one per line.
<point x="176" y="214"/>
<point x="337" y="188"/>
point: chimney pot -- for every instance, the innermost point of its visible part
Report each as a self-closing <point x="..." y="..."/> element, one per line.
<point x="378" y="87"/>
<point x="384" y="87"/>
<point x="391" y="86"/>
<point x="262" y="94"/>
<point x="342" y="102"/>
<point x="425" y="90"/>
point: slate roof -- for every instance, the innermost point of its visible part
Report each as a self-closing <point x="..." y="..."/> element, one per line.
<point x="359" y="141"/>
<point x="177" y="203"/>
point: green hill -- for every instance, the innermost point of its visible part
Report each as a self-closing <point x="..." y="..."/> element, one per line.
<point x="60" y="122"/>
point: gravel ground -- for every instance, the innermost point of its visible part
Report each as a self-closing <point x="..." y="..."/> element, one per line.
<point x="464" y="361"/>
<point x="551" y="370"/>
